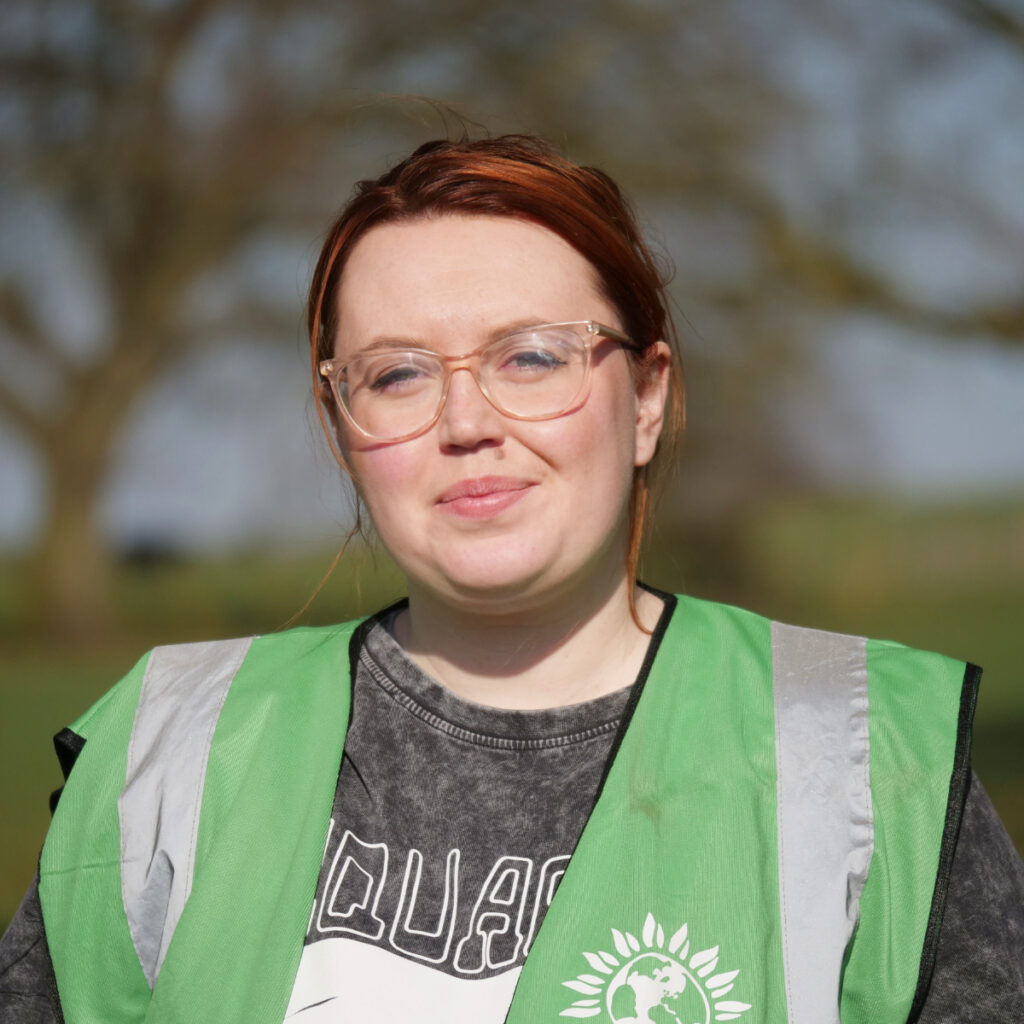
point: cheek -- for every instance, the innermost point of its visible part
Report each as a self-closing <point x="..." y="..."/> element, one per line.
<point x="383" y="476"/>
<point x="596" y="457"/>
<point x="608" y="439"/>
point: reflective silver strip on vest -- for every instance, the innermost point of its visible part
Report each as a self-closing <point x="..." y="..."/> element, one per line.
<point x="825" y="827"/>
<point x="183" y="692"/>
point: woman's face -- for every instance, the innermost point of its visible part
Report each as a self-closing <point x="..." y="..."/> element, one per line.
<point x="482" y="511"/>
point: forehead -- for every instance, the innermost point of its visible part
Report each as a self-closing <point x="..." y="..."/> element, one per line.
<point x="461" y="277"/>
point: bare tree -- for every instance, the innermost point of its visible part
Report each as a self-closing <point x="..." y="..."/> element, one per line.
<point x="166" y="137"/>
<point x="159" y="185"/>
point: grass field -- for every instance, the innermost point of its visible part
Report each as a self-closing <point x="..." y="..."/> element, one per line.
<point x="950" y="581"/>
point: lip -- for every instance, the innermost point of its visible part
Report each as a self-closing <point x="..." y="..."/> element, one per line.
<point x="483" y="496"/>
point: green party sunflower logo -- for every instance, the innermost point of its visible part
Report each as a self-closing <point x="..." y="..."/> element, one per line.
<point x="650" y="980"/>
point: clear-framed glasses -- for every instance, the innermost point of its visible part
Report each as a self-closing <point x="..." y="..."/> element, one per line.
<point x="535" y="373"/>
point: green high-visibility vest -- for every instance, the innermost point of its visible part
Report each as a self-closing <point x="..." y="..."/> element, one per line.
<point x="771" y="843"/>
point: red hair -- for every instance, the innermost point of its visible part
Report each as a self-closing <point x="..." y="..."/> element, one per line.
<point x="518" y="176"/>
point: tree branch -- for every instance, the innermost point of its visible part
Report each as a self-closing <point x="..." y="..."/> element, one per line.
<point x="997" y="21"/>
<point x="249" y="322"/>
<point x="17" y="319"/>
<point x="831" y="276"/>
<point x="16" y="411"/>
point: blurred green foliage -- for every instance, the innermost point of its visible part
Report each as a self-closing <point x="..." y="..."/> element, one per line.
<point x="948" y="580"/>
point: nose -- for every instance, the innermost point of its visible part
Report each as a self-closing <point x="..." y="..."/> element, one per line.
<point x="468" y="420"/>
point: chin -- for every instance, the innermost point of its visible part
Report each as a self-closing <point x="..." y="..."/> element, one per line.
<point x="511" y="574"/>
<point x="495" y="587"/>
<point x="509" y="583"/>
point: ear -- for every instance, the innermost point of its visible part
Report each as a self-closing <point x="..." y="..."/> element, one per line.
<point x="333" y="427"/>
<point x="651" y="397"/>
<point x="331" y="418"/>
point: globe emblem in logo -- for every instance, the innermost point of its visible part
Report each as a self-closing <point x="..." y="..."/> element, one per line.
<point x="652" y="980"/>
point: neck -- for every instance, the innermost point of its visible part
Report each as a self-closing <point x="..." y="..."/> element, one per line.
<point x="572" y="649"/>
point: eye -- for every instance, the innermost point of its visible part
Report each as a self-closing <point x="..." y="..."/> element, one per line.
<point x="395" y="378"/>
<point x="531" y="356"/>
<point x="392" y="375"/>
<point x="531" y="360"/>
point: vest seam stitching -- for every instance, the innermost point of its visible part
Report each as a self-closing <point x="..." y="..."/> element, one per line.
<point x="959" y="784"/>
<point x="780" y="845"/>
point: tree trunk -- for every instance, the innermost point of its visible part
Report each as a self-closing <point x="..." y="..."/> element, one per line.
<point x="74" y="570"/>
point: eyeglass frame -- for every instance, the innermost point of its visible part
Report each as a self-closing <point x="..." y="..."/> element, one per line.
<point x="332" y="369"/>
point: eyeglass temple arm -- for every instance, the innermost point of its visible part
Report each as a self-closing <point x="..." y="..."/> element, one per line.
<point x="610" y="332"/>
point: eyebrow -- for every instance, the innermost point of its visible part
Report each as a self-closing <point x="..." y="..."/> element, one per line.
<point x="391" y="343"/>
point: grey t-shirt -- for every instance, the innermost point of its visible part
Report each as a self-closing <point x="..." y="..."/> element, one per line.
<point x="452" y="825"/>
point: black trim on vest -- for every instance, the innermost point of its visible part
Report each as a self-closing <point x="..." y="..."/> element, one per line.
<point x="355" y="644"/>
<point x="51" y="987"/>
<point x="959" y="783"/>
<point x="355" y="647"/>
<point x="670" y="602"/>
<point x="68" y="746"/>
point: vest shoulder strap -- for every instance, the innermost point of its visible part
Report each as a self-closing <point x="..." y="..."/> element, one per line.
<point x="183" y="691"/>
<point x="825" y="826"/>
<point x="188" y="754"/>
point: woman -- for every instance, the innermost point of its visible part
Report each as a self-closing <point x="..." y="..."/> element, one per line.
<point x="561" y="794"/>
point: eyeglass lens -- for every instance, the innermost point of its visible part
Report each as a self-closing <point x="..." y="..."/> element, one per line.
<point x="534" y="374"/>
